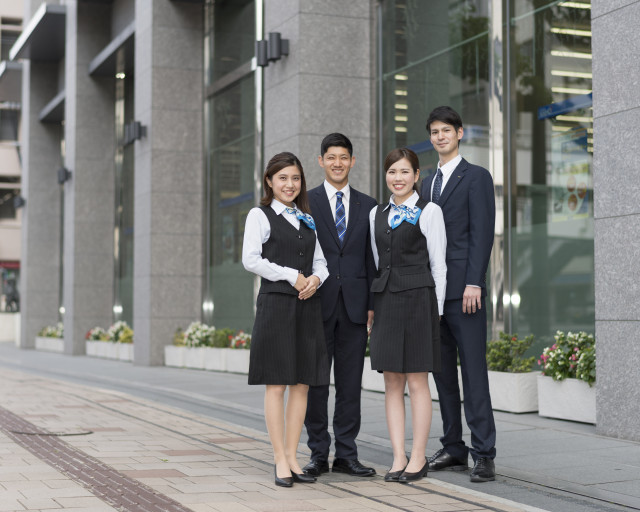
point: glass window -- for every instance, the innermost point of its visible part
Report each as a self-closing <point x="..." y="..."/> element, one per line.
<point x="552" y="127"/>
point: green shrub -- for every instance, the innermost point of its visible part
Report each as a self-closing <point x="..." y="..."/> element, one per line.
<point x="572" y="356"/>
<point x="222" y="337"/>
<point x="505" y="354"/>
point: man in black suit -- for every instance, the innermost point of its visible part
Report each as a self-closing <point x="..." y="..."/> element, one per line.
<point x="341" y="214"/>
<point x="465" y="193"/>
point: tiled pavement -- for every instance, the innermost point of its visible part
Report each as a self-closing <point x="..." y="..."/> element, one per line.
<point x="64" y="446"/>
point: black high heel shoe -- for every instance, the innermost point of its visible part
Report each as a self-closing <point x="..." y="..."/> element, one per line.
<point x="405" y="477"/>
<point x="287" y="481"/>
<point x="302" y="478"/>
<point x="395" y="475"/>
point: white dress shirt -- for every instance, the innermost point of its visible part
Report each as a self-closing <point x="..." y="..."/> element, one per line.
<point x="331" y="194"/>
<point x="447" y="170"/>
<point x="432" y="227"/>
<point x="257" y="231"/>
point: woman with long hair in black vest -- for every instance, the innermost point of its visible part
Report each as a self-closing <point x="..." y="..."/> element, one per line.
<point x="409" y="247"/>
<point x="287" y="345"/>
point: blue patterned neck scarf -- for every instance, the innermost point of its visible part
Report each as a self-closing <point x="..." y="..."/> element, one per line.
<point x="304" y="217"/>
<point x="411" y="215"/>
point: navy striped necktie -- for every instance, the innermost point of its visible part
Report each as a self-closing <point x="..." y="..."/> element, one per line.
<point x="341" y="217"/>
<point x="437" y="187"/>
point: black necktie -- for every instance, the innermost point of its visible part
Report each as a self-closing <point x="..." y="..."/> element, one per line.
<point x="437" y="187"/>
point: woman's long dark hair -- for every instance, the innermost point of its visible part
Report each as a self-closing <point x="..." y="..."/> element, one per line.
<point x="275" y="165"/>
<point x="398" y="154"/>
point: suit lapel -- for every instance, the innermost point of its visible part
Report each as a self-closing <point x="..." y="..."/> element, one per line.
<point x="457" y="176"/>
<point x="325" y="213"/>
<point x="427" y="183"/>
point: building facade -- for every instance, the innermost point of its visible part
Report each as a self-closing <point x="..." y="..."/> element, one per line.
<point x="146" y="125"/>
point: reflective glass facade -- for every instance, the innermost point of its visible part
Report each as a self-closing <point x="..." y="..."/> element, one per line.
<point x="519" y="73"/>
<point x="231" y="136"/>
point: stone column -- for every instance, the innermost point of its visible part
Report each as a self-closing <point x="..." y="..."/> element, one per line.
<point x="169" y="174"/>
<point x="616" y="175"/>
<point x="89" y="200"/>
<point x="40" y="262"/>
<point x="325" y="85"/>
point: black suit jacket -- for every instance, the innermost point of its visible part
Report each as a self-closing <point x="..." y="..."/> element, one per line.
<point x="469" y="210"/>
<point x="351" y="267"/>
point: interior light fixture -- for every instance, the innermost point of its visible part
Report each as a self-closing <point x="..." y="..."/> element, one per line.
<point x="117" y="309"/>
<point x="120" y="76"/>
<point x="575" y="5"/>
<point x="571" y="74"/>
<point x="571" y="31"/>
<point x="401" y="106"/>
<point x="570" y="90"/>
<point x="400" y="129"/>
<point x="400" y="92"/>
<point x="402" y="119"/>
<point x="573" y="55"/>
<point x="575" y="119"/>
<point x="401" y="76"/>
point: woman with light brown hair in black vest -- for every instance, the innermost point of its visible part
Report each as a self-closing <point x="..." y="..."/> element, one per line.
<point x="409" y="247"/>
<point x="287" y="345"/>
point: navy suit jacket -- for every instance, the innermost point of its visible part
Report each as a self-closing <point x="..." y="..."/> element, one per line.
<point x="351" y="266"/>
<point x="469" y="210"/>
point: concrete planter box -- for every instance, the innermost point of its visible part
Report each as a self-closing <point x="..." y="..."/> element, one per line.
<point x="50" y="344"/>
<point x="514" y="392"/>
<point x="374" y="381"/>
<point x="569" y="399"/>
<point x="237" y="360"/>
<point x="109" y="350"/>
<point x="215" y="359"/>
<point x="174" y="356"/>
<point x="207" y="358"/>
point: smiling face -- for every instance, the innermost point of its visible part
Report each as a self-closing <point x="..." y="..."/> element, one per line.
<point x="445" y="138"/>
<point x="286" y="184"/>
<point x="337" y="162"/>
<point x="401" y="178"/>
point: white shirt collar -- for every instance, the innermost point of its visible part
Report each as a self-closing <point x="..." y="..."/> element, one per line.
<point x="448" y="168"/>
<point x="331" y="190"/>
<point x="410" y="203"/>
<point x="278" y="207"/>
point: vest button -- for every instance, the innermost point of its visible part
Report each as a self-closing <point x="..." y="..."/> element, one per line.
<point x="388" y="249"/>
<point x="338" y="276"/>
<point x="301" y="253"/>
<point x="388" y="267"/>
<point x="388" y="231"/>
<point x="300" y="236"/>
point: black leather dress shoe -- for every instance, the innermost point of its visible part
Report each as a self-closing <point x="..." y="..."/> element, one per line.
<point x="303" y="478"/>
<point x="287" y="481"/>
<point x="412" y="477"/>
<point x="442" y="460"/>
<point x="351" y="467"/>
<point x="316" y="467"/>
<point x="484" y="470"/>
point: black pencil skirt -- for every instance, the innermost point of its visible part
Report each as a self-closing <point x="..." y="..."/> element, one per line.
<point x="406" y="331"/>
<point x="287" y="342"/>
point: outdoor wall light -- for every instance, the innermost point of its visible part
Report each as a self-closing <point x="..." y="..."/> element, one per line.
<point x="132" y="132"/>
<point x="271" y="49"/>
<point x="64" y="174"/>
<point x="19" y="202"/>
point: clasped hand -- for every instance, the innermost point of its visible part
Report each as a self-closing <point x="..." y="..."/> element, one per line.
<point x="307" y="286"/>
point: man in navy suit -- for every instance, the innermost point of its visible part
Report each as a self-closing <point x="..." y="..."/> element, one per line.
<point x="465" y="193"/>
<point x="341" y="214"/>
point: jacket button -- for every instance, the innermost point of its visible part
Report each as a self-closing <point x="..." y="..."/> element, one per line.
<point x="338" y="276"/>
<point x="388" y="231"/>
<point x="341" y="255"/>
<point x="301" y="253"/>
<point x="388" y="267"/>
<point x="388" y="249"/>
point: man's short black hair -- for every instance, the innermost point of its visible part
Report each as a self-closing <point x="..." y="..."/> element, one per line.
<point x="445" y="115"/>
<point x="336" y="139"/>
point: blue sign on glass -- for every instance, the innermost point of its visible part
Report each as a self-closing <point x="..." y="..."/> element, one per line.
<point x="566" y="106"/>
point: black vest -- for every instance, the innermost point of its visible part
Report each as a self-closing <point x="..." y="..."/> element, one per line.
<point x="287" y="247"/>
<point x="403" y="258"/>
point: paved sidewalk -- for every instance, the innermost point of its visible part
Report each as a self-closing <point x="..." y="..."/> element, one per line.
<point x="72" y="447"/>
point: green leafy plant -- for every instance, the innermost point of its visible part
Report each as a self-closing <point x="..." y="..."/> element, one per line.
<point x="178" y="337"/>
<point x="572" y="356"/>
<point x="120" y="332"/>
<point x="222" y="337"/>
<point x="199" y="335"/>
<point x="505" y="354"/>
<point x="56" y="331"/>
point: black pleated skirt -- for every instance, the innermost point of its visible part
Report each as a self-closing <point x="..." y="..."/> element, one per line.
<point x="406" y="331"/>
<point x="287" y="342"/>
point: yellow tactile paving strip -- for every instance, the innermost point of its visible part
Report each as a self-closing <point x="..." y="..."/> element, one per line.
<point x="190" y="461"/>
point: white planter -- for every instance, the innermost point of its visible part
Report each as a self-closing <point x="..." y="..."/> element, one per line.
<point x="215" y="359"/>
<point x="125" y="351"/>
<point x="92" y="348"/>
<point x="194" y="358"/>
<point x="514" y="392"/>
<point x="50" y="344"/>
<point x="174" y="356"/>
<point x="569" y="399"/>
<point x="238" y="360"/>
